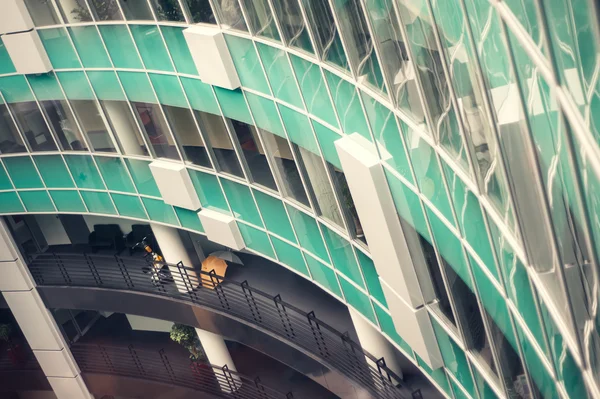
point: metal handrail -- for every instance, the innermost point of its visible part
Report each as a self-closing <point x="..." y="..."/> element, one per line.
<point x="171" y="368"/>
<point x="228" y="297"/>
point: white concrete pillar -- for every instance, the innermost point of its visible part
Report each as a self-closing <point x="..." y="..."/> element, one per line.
<point x="218" y="355"/>
<point x="37" y="323"/>
<point x="174" y="251"/>
<point x="124" y="126"/>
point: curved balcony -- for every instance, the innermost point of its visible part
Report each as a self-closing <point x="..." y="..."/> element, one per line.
<point x="232" y="299"/>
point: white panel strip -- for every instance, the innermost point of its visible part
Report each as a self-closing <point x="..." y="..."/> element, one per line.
<point x="175" y="184"/>
<point x="14" y="17"/>
<point x="27" y="52"/>
<point x="221" y="229"/>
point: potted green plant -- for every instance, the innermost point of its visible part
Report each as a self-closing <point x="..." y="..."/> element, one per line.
<point x="186" y="336"/>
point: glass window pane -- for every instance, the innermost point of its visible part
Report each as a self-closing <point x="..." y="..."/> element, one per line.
<point x="154" y="125"/>
<point x="125" y="128"/>
<point x="167" y="10"/>
<point x="230" y="14"/>
<point x="261" y="19"/>
<point x="354" y="224"/>
<point x="62" y="121"/>
<point x="136" y="10"/>
<point x="216" y="133"/>
<point x="33" y="126"/>
<point x="42" y="12"/>
<point x="200" y="11"/>
<point x="292" y="24"/>
<point x="89" y="115"/>
<point x="184" y="128"/>
<point x="74" y="11"/>
<point x="320" y="19"/>
<point x="10" y="140"/>
<point x="105" y="10"/>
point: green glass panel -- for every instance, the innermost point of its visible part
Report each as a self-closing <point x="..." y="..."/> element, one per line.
<point x="323" y="275"/>
<point x="200" y="95"/>
<point x="256" y="240"/>
<point x="89" y="46"/>
<point x="438" y="375"/>
<point x="233" y="105"/>
<point x="5" y="183"/>
<point x="67" y="201"/>
<point x="387" y="326"/>
<point x="120" y="46"/>
<point x="458" y="392"/>
<point x="129" y="205"/>
<point x="6" y="65"/>
<point x="265" y="114"/>
<point x="75" y="85"/>
<point x="59" y="49"/>
<point x="209" y="191"/>
<point x="308" y="233"/>
<point x="313" y="89"/>
<point x="159" y="211"/>
<point x="189" y="219"/>
<point x="137" y="87"/>
<point x="485" y="391"/>
<point x="36" y="201"/>
<point x="247" y="64"/>
<point x="106" y="85"/>
<point x="358" y="300"/>
<point x="274" y="215"/>
<point x="45" y="86"/>
<point x="84" y="171"/>
<point x="98" y="202"/>
<point x="114" y="174"/>
<point x="15" y="89"/>
<point x="151" y="47"/>
<point x="342" y="256"/>
<point x="241" y="202"/>
<point x="454" y="358"/>
<point x="280" y="74"/>
<point x="289" y="255"/>
<point x="346" y="101"/>
<point x="9" y="203"/>
<point x="298" y="128"/>
<point x="22" y="172"/>
<point x="54" y="171"/>
<point x="142" y="177"/>
<point x="371" y="277"/>
<point x="326" y="138"/>
<point x="180" y="52"/>
<point x="168" y="90"/>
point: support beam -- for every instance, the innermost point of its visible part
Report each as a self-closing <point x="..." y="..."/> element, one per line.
<point x="218" y="355"/>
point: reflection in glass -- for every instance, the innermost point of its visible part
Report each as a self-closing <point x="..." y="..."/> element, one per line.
<point x="187" y="134"/>
<point x="62" y="121"/>
<point x="230" y="14"/>
<point x="215" y="132"/>
<point x="125" y="128"/>
<point x="200" y="11"/>
<point x="92" y="123"/>
<point x="292" y="24"/>
<point x="42" y="12"/>
<point x="167" y="10"/>
<point x="74" y="11"/>
<point x="33" y="126"/>
<point x="354" y="224"/>
<point x="105" y="10"/>
<point x="320" y="19"/>
<point x="136" y="10"/>
<point x="154" y="125"/>
<point x="261" y="19"/>
<point x="10" y="140"/>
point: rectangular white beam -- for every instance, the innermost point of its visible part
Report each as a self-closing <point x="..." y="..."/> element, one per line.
<point x="27" y="52"/>
<point x="14" y="17"/>
<point x="221" y="229"/>
<point x="175" y="184"/>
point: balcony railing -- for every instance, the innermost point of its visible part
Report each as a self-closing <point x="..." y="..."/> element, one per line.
<point x="271" y="313"/>
<point x="171" y="368"/>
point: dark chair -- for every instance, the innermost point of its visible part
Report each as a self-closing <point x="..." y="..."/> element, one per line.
<point x="138" y="232"/>
<point x="107" y="236"/>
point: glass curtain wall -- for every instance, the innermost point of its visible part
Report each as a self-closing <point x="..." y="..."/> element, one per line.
<point x="10" y="139"/>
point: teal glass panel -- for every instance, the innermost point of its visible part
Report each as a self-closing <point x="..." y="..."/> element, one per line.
<point x="9" y="203"/>
<point x="142" y="177"/>
<point x="98" y="202"/>
<point x="106" y="85"/>
<point x="180" y="52"/>
<point x="241" y="202"/>
<point x="200" y="95"/>
<point x="358" y="300"/>
<point x="137" y="87"/>
<point x="129" y="205"/>
<point x="36" y="201"/>
<point x="457" y="391"/>
<point x="6" y="65"/>
<point x="233" y="105"/>
<point x="75" y="85"/>
<point x="438" y="375"/>
<point x="151" y="47"/>
<point x="485" y="391"/>
<point x="274" y="215"/>
<point x="22" y="172"/>
<point x="342" y="256"/>
<point x="89" y="46"/>
<point x="265" y="114"/>
<point x="67" y="201"/>
<point x="15" y="89"/>
<point x="387" y="326"/>
<point x="209" y="191"/>
<point x="323" y="275"/>
<point x="114" y="174"/>
<point x="159" y="211"/>
<point x="189" y="219"/>
<point x="326" y="138"/>
<point x="256" y="240"/>
<point x="5" y="183"/>
<point x="454" y="358"/>
<point x="84" y="172"/>
<point x="308" y="233"/>
<point x="371" y="277"/>
<point x="59" y="49"/>
<point x="247" y="64"/>
<point x="45" y="86"/>
<point x="387" y="135"/>
<point x="289" y="255"/>
<point x="346" y="102"/>
<point x="280" y="74"/>
<point x="313" y="89"/>
<point x="168" y="90"/>
<point x="120" y="46"/>
<point x="54" y="171"/>
<point x="298" y="128"/>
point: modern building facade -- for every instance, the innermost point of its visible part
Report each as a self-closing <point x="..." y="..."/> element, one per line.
<point x="431" y="167"/>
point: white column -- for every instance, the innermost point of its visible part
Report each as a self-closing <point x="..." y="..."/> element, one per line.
<point x="37" y="323"/>
<point x="218" y="355"/>
<point x="174" y="251"/>
<point x="124" y="127"/>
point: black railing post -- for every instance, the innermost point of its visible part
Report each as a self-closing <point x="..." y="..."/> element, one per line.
<point x="251" y="301"/>
<point x="92" y="266"/>
<point x="167" y="364"/>
<point x="233" y="388"/>
<point x="417" y="394"/>
<point x="218" y="288"/>
<point x="62" y="269"/>
<point x="260" y="388"/>
<point x="136" y="360"/>
<point x="106" y="358"/>
<point x="124" y="272"/>
<point x="350" y="350"/>
<point x="317" y="334"/>
<point x="191" y="291"/>
<point x="283" y="315"/>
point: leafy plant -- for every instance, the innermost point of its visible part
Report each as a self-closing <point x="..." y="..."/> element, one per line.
<point x="5" y="332"/>
<point x="186" y="336"/>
